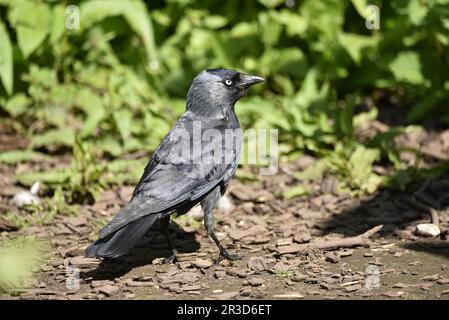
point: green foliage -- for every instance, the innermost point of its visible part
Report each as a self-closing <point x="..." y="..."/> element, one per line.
<point x="17" y="156"/>
<point x="42" y="213"/>
<point x="19" y="256"/>
<point x="353" y="166"/>
<point x="401" y="178"/>
<point x="116" y="85"/>
<point x="6" y="59"/>
<point x="82" y="182"/>
<point x="296" y="191"/>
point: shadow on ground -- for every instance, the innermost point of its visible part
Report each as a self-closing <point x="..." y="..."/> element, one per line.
<point x="434" y="247"/>
<point x="150" y="247"/>
<point x="399" y="213"/>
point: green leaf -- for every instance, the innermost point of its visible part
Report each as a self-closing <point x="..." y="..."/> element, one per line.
<point x="360" y="7"/>
<point x="407" y="67"/>
<point x="361" y="164"/>
<point x="294" y="23"/>
<point x="123" y="119"/>
<point x="309" y="88"/>
<point x="125" y="170"/>
<point x="58" y="27"/>
<point x="424" y="107"/>
<point x="109" y="145"/>
<point x="364" y="117"/>
<point x="6" y="60"/>
<point x="60" y="137"/>
<point x="16" y="156"/>
<point x="243" y="30"/>
<point x="93" y="107"/>
<point x="290" y="61"/>
<point x="417" y="11"/>
<point x="313" y="171"/>
<point x="354" y="44"/>
<point x="17" y="105"/>
<point x="271" y="3"/>
<point x="215" y="22"/>
<point x="400" y="179"/>
<point x="246" y="176"/>
<point x="296" y="191"/>
<point x="346" y="116"/>
<point x="135" y="13"/>
<point x="270" y="30"/>
<point x="31" y="20"/>
<point x="55" y="176"/>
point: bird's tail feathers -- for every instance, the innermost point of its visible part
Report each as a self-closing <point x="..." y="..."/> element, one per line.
<point x="120" y="241"/>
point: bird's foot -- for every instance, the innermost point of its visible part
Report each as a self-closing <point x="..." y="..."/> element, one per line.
<point x="170" y="259"/>
<point x="224" y="255"/>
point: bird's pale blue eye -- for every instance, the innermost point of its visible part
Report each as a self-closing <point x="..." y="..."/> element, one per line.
<point x="228" y="82"/>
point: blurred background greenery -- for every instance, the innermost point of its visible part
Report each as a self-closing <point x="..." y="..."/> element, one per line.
<point x="111" y="89"/>
<point x="93" y="103"/>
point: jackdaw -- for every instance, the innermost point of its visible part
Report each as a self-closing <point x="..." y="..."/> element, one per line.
<point x="193" y="165"/>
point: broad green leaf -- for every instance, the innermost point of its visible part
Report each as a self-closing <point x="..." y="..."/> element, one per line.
<point x="296" y="191"/>
<point x="123" y="121"/>
<point x="360" y="7"/>
<point x="215" y="22"/>
<point x="313" y="171"/>
<point x="361" y="163"/>
<point x="135" y="13"/>
<point x="16" y="156"/>
<point x="295" y="24"/>
<point x="158" y="128"/>
<point x="347" y="114"/>
<point x="309" y="89"/>
<point x="354" y="44"/>
<point x="93" y="107"/>
<point x="417" y="10"/>
<point x="17" y="105"/>
<point x="423" y="107"/>
<point x="31" y="20"/>
<point x="270" y="30"/>
<point x="125" y="171"/>
<point x="400" y="179"/>
<point x="58" y="27"/>
<point x="271" y="3"/>
<point x="291" y="61"/>
<point x="55" y="176"/>
<point x="325" y="20"/>
<point x="364" y="117"/>
<point x="243" y="29"/>
<point x="6" y="60"/>
<point x="407" y="67"/>
<point x="59" y="137"/>
<point x="245" y="175"/>
<point x="109" y="145"/>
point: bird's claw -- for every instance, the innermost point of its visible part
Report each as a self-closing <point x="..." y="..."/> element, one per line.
<point x="170" y="259"/>
<point x="224" y="255"/>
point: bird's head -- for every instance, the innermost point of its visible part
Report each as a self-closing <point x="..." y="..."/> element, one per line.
<point x="219" y="88"/>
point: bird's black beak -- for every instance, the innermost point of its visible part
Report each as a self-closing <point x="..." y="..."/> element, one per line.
<point x="247" y="80"/>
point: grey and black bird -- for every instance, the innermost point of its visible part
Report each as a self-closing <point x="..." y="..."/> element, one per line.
<point x="193" y="165"/>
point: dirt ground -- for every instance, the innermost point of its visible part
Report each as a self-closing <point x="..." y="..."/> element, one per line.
<point x="265" y="230"/>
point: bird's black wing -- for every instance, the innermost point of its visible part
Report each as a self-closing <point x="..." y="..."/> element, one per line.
<point x="173" y="178"/>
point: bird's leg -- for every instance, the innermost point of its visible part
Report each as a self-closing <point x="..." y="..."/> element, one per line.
<point x="165" y="222"/>
<point x="209" y="225"/>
